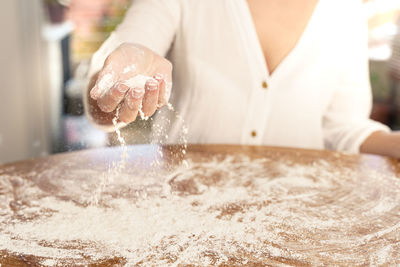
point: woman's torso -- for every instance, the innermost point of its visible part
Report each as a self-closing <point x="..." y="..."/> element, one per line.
<point x="220" y="77"/>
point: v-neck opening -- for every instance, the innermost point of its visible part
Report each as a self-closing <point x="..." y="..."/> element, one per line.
<point x="296" y="47"/>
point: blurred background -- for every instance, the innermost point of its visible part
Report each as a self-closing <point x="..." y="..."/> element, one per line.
<point x="45" y="52"/>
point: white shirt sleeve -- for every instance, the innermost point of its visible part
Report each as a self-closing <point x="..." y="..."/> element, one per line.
<point x="346" y="122"/>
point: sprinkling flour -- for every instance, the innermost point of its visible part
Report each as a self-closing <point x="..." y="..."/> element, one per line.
<point x="223" y="210"/>
<point x="120" y="138"/>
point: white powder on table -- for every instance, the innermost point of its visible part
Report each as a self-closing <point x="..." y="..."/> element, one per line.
<point x="48" y="262"/>
<point x="229" y="211"/>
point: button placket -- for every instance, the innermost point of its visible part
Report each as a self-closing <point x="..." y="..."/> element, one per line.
<point x="258" y="129"/>
<point x="257" y="113"/>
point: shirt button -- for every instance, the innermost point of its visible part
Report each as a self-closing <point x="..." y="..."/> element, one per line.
<point x="264" y="85"/>
<point x="253" y="133"/>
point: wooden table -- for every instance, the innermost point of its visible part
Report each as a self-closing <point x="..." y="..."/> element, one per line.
<point x="225" y="205"/>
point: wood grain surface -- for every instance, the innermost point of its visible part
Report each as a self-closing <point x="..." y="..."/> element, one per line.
<point x="367" y="238"/>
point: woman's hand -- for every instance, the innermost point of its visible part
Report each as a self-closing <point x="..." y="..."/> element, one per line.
<point x="134" y="77"/>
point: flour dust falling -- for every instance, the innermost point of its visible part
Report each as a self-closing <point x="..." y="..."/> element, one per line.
<point x="117" y="168"/>
<point x="124" y="154"/>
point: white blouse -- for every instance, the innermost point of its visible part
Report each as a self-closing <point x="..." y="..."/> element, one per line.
<point x="318" y="97"/>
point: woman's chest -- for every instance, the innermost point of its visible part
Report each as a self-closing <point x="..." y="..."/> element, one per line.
<point x="223" y="56"/>
<point x="279" y="25"/>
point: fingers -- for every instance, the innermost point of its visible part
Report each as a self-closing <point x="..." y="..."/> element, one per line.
<point x="161" y="94"/>
<point x="150" y="99"/>
<point x="110" y="100"/>
<point x="164" y="78"/>
<point x="145" y="98"/>
<point x="131" y="105"/>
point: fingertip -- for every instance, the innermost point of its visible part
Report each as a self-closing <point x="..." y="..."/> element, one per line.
<point x="129" y="110"/>
<point x="151" y="85"/>
<point x="94" y="93"/>
<point x="159" y="78"/>
<point x="125" y="119"/>
<point x="136" y="93"/>
<point x="104" y="108"/>
<point x="162" y="99"/>
<point x="121" y="87"/>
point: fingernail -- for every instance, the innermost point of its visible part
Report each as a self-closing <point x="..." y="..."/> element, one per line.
<point x="137" y="92"/>
<point x="122" y="88"/>
<point x="151" y="85"/>
<point x="159" y="77"/>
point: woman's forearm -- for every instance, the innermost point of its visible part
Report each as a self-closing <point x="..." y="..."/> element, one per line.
<point x="382" y="143"/>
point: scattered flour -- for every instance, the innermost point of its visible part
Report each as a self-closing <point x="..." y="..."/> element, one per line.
<point x="117" y="167"/>
<point x="121" y="140"/>
<point x="138" y="81"/>
<point x="217" y="211"/>
<point x="48" y="262"/>
<point x="141" y="113"/>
